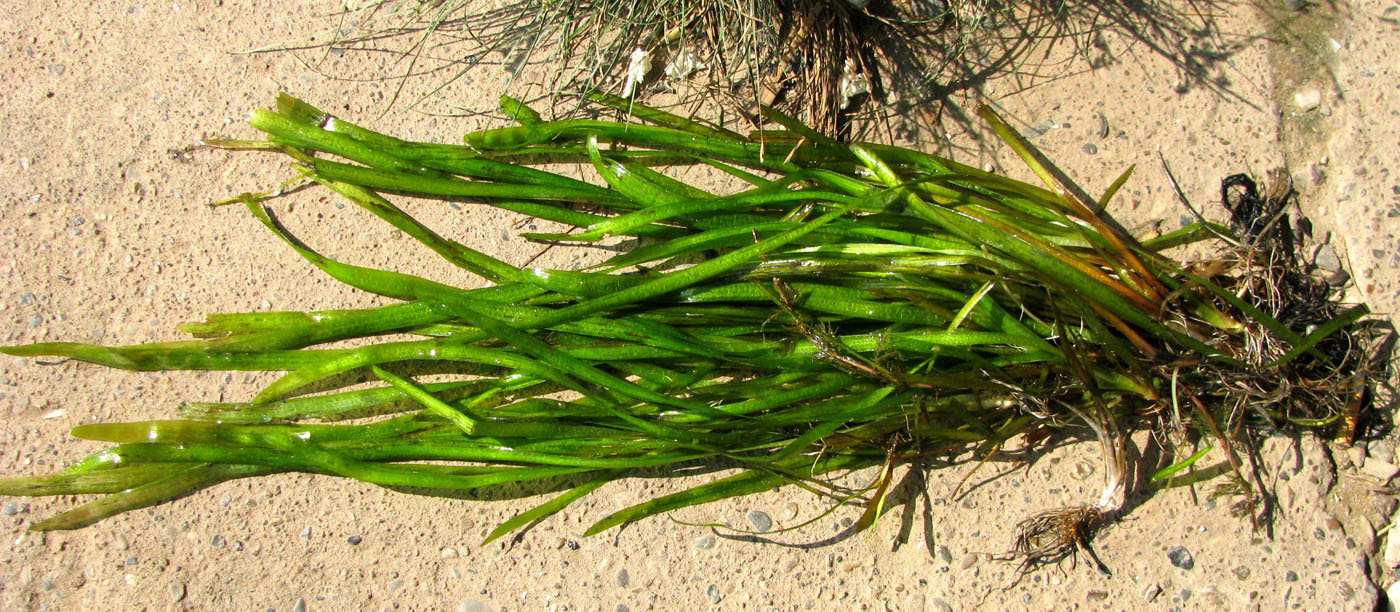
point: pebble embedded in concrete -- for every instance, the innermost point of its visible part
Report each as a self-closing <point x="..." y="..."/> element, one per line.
<point x="760" y="520"/>
<point x="714" y="594"/>
<point x="1181" y="557"/>
<point x="1307" y="99"/>
<point x="1151" y="593"/>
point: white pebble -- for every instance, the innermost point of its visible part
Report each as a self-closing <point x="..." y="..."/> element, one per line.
<point x="1308" y="99"/>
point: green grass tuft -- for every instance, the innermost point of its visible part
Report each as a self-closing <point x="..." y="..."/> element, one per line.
<point x="844" y="307"/>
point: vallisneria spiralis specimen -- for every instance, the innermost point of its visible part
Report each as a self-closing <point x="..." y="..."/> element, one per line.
<point x="843" y="307"/>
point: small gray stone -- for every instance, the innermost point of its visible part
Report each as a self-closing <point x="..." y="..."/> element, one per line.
<point x="55" y="68"/>
<point x="760" y="520"/>
<point x="177" y="592"/>
<point x="1327" y="259"/>
<point x="1242" y="572"/>
<point x="705" y="542"/>
<point x="217" y="541"/>
<point x="623" y="578"/>
<point x="306" y="534"/>
<point x="945" y="555"/>
<point x="1151" y="593"/>
<point x="1316" y="174"/>
<point x="1097" y="595"/>
<point x="473" y="605"/>
<point x="1181" y="557"/>
<point x="1290" y="576"/>
<point x="10" y="509"/>
<point x="1039" y="129"/>
<point x="354" y="540"/>
<point x="300" y="605"/>
<point x="1090" y="148"/>
<point x="713" y="593"/>
<point x="938" y="604"/>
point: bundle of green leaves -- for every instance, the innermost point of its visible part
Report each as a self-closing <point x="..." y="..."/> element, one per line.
<point x="850" y="306"/>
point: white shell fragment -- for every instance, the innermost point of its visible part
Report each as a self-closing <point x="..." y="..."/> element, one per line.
<point x="852" y="83"/>
<point x="683" y="64"/>
<point x="636" y="71"/>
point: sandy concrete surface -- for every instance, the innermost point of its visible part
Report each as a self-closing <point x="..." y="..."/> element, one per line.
<point x="105" y="236"/>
